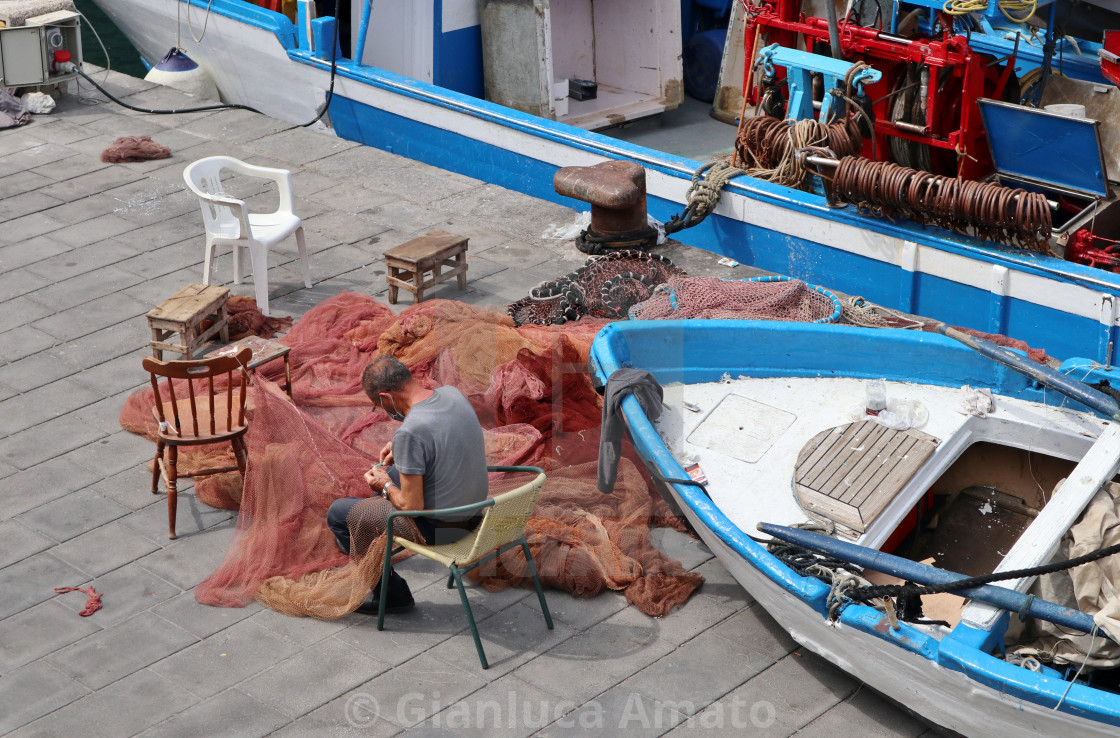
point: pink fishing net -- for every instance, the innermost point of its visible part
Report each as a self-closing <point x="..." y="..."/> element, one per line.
<point x="534" y="398"/>
<point x="711" y="297"/>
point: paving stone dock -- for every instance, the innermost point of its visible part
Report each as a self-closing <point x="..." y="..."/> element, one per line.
<point x="86" y="249"/>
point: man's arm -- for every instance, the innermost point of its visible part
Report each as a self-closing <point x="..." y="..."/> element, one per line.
<point x="410" y="495"/>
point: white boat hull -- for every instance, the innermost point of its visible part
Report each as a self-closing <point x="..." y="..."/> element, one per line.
<point x="940" y="695"/>
<point x="785" y="385"/>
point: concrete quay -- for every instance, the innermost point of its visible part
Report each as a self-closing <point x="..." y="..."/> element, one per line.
<point x="86" y="249"/>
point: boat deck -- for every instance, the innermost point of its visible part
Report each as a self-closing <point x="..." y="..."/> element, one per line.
<point x="687" y="131"/>
<point x="797" y="431"/>
<point x="86" y="250"/>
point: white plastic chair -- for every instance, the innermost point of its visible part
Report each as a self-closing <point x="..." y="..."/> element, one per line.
<point x="229" y="223"/>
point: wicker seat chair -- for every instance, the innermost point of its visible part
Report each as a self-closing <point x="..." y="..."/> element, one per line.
<point x="502" y="528"/>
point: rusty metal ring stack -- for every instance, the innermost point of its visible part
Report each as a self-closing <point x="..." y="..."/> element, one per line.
<point x="984" y="209"/>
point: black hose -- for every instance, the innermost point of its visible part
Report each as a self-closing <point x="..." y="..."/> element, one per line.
<point x="200" y="109"/>
<point x="334" y="67"/>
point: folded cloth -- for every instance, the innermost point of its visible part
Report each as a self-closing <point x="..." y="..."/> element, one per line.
<point x="12" y="111"/>
<point x="622" y="382"/>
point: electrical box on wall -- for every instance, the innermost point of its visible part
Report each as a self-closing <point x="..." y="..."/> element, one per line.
<point x="31" y="55"/>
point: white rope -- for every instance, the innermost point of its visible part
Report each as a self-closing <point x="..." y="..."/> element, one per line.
<point x="1088" y="653"/>
<point x="178" y="24"/>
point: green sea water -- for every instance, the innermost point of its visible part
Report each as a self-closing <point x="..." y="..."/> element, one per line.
<point x="122" y="56"/>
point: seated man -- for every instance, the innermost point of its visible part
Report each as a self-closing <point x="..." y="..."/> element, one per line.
<point x="436" y="460"/>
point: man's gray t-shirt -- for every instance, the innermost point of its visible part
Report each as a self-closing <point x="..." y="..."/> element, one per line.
<point x="441" y="439"/>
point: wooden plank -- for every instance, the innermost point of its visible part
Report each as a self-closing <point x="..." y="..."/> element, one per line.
<point x="850" y="486"/>
<point x="820" y="462"/>
<point x="848" y="457"/>
<point x="879" y="497"/>
<point x="816" y="449"/>
<point x="840" y="512"/>
<point x="188" y="302"/>
<point x="163" y="346"/>
<point x="437" y="278"/>
<point x="873" y="467"/>
<point x="911" y="453"/>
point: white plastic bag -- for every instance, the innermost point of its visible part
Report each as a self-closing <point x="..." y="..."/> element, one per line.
<point x="38" y="103"/>
<point x="898" y="414"/>
<point x="566" y="232"/>
<point x="912" y="412"/>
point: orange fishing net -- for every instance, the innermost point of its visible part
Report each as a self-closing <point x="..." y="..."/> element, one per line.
<point x="530" y="389"/>
<point x="134" y="148"/>
<point x="246" y="319"/>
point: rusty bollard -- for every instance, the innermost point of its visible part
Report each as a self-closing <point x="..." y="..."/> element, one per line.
<point x="617" y="193"/>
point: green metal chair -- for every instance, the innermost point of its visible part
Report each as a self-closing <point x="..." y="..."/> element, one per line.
<point x="502" y="528"/>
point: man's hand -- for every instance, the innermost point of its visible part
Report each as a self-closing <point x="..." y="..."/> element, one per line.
<point x="377" y="478"/>
<point x="387" y="454"/>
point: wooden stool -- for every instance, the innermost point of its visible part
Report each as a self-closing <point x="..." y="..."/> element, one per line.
<point x="429" y="253"/>
<point x="183" y="313"/>
<point x="264" y="350"/>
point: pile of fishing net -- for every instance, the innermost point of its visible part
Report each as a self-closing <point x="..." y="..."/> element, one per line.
<point x="761" y="298"/>
<point x="134" y="148"/>
<point x="246" y="319"/>
<point x="606" y="286"/>
<point x="536" y="404"/>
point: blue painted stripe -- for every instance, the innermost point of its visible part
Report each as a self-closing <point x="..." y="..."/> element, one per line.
<point x="458" y="65"/>
<point x="1040" y="689"/>
<point x="253" y="15"/>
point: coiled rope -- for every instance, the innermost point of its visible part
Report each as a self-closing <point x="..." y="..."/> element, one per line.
<point x="771" y="149"/>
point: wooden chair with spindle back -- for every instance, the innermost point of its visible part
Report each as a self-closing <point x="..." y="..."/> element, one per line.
<point x="200" y="417"/>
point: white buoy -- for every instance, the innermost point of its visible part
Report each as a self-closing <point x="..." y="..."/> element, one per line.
<point x="181" y="72"/>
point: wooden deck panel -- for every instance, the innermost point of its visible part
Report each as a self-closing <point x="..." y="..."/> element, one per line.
<point x="851" y="476"/>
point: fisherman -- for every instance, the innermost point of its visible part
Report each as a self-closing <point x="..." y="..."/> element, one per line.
<point x="436" y="460"/>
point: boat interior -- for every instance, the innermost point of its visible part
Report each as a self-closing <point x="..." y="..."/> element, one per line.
<point x="961" y="492"/>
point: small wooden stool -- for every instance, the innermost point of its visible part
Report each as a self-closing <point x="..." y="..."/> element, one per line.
<point x="183" y="313"/>
<point x="264" y="350"/>
<point x="429" y="253"/>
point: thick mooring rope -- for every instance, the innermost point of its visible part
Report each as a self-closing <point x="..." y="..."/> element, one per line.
<point x="704" y="192"/>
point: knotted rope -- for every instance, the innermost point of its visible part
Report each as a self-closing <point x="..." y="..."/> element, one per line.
<point x="704" y="192"/>
<point x="93" y="604"/>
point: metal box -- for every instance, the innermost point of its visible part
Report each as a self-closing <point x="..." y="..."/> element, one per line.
<point x="26" y="52"/>
<point x="1059" y="155"/>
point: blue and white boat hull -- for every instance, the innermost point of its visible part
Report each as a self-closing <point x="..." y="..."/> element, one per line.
<point x="812" y="374"/>
<point x="259" y="58"/>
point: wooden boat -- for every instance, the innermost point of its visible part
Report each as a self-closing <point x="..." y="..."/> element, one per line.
<point x="772" y="414"/>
